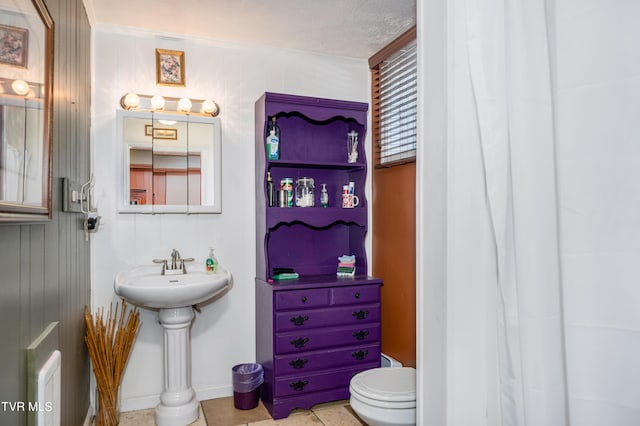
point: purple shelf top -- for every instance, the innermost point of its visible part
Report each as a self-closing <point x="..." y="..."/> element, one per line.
<point x="317" y="217"/>
<point x="320" y="281"/>
<point x="317" y="164"/>
<point x="316" y="108"/>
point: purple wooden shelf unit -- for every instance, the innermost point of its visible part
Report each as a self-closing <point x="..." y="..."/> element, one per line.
<point x="315" y="332"/>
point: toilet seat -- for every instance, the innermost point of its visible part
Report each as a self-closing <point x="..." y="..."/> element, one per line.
<point x="386" y="387"/>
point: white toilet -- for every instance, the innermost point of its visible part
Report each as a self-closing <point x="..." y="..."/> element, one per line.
<point x="385" y="396"/>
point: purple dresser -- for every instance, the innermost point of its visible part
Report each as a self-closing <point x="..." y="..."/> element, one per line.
<point x="315" y="332"/>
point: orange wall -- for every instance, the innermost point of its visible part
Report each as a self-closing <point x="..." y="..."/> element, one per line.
<point x="394" y="257"/>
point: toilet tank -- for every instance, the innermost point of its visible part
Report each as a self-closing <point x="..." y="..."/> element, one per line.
<point x="387" y="361"/>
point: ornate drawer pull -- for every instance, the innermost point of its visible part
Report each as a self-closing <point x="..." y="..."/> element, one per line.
<point x="304" y="299"/>
<point x="300" y="342"/>
<point x="357" y="295"/>
<point x="299" y="320"/>
<point x="360" y="314"/>
<point x="299" y="385"/>
<point x="360" y="335"/>
<point x="359" y="355"/>
<point x="298" y="363"/>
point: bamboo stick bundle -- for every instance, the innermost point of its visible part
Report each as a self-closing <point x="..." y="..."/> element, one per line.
<point x="109" y="344"/>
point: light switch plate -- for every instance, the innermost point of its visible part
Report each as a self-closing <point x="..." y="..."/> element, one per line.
<point x="70" y="196"/>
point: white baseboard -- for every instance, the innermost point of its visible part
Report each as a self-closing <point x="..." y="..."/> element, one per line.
<point x="88" y="420"/>
<point x="139" y="403"/>
<point x="151" y="401"/>
<point x="202" y="394"/>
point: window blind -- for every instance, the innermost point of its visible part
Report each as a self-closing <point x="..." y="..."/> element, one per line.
<point x="395" y="80"/>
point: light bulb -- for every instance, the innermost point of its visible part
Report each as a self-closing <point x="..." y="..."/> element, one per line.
<point x="185" y="105"/>
<point x="130" y="101"/>
<point x="209" y="107"/>
<point x="157" y="102"/>
<point x="20" y="87"/>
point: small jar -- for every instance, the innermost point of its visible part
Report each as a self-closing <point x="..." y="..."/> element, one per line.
<point x="304" y="192"/>
<point x="286" y="185"/>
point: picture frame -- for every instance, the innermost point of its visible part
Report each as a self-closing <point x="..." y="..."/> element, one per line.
<point x="170" y="68"/>
<point x="158" y="133"/>
<point x="14" y="46"/>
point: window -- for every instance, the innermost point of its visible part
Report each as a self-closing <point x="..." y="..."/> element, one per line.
<point x="394" y="99"/>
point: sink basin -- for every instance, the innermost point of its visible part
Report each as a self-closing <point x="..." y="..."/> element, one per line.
<point x="145" y="286"/>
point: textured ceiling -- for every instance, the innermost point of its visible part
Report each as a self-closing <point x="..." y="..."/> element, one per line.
<point x="352" y="28"/>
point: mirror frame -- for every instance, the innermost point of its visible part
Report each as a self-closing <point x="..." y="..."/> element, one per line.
<point x="23" y="213"/>
<point x="123" y="196"/>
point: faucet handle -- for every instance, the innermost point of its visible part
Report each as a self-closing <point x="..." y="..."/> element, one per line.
<point x="164" y="264"/>
<point x="183" y="266"/>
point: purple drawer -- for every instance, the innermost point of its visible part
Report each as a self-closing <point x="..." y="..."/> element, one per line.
<point x="299" y="299"/>
<point x="309" y="340"/>
<point x="311" y="318"/>
<point x="312" y="382"/>
<point x="326" y="359"/>
<point x="355" y="294"/>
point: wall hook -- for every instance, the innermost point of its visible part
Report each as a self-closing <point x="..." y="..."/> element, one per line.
<point x="91" y="217"/>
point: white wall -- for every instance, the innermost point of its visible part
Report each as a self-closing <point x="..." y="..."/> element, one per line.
<point x="234" y="76"/>
<point x="599" y="181"/>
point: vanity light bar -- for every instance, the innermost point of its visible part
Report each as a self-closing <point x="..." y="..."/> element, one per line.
<point x="21" y="88"/>
<point x="139" y="102"/>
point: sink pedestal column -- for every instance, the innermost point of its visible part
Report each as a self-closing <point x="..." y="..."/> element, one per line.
<point x="178" y="405"/>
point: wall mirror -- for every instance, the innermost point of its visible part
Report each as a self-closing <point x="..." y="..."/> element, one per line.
<point x="26" y="66"/>
<point x="172" y="163"/>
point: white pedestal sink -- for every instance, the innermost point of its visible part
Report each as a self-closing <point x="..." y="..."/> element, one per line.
<point x="174" y="296"/>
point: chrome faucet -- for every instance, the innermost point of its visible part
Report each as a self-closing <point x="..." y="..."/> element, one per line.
<point x="177" y="265"/>
<point x="175" y="258"/>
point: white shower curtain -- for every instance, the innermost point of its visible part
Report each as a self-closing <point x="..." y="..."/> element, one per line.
<point x="509" y="60"/>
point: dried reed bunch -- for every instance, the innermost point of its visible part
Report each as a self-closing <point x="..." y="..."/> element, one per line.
<point x="109" y="344"/>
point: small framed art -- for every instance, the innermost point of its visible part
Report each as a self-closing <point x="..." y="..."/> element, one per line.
<point x="14" y="43"/>
<point x="157" y="133"/>
<point x="169" y="67"/>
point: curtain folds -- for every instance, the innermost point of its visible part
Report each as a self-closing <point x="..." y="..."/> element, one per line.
<point x="509" y="62"/>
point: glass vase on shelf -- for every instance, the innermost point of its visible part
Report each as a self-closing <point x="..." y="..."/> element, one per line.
<point x="305" y="192"/>
<point x="352" y="146"/>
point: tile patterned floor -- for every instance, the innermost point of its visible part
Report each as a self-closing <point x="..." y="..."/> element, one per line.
<point x="147" y="418"/>
<point x="221" y="412"/>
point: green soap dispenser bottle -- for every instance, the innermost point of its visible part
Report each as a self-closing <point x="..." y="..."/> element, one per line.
<point x="212" y="263"/>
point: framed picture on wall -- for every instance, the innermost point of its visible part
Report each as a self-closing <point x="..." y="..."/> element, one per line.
<point x="14" y="43"/>
<point x="169" y="67"/>
<point x="157" y="133"/>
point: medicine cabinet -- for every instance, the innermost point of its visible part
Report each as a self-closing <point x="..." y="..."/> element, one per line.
<point x="172" y="163"/>
<point x="26" y="67"/>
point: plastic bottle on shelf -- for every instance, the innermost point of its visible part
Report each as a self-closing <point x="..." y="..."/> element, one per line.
<point x="270" y="191"/>
<point x="273" y="124"/>
<point x="273" y="140"/>
<point x="212" y="263"/>
<point x="324" y="196"/>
